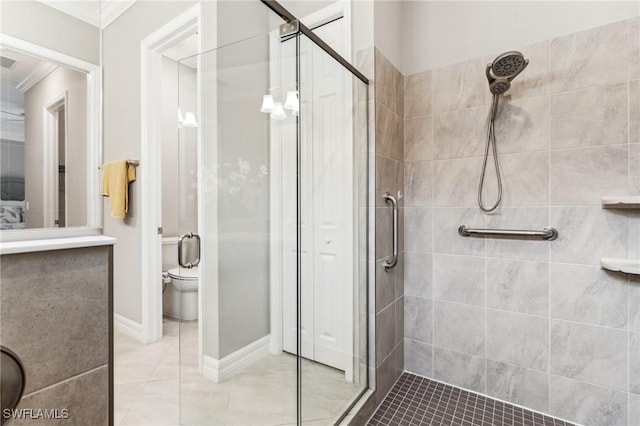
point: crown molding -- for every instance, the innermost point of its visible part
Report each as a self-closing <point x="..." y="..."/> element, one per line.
<point x="41" y="71"/>
<point x="111" y="9"/>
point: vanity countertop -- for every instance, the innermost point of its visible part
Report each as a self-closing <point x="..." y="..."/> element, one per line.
<point x="29" y="246"/>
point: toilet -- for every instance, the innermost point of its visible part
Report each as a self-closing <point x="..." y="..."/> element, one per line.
<point x="181" y="296"/>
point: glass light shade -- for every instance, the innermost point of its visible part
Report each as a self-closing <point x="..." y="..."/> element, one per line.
<point x="267" y="104"/>
<point x="189" y="120"/>
<point x="180" y="116"/>
<point x="291" y="102"/>
<point x="278" y="112"/>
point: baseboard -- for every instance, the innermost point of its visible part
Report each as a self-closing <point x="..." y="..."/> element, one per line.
<point x="223" y="369"/>
<point x="128" y="327"/>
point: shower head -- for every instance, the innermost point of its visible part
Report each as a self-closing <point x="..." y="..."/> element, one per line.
<point x="503" y="70"/>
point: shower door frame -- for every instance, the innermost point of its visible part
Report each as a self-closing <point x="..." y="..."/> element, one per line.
<point x="338" y="10"/>
<point x="313" y="38"/>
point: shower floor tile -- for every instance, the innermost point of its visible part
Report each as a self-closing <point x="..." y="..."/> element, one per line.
<point x="416" y="400"/>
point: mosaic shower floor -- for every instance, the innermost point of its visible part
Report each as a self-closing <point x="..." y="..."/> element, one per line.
<point x="417" y="401"/>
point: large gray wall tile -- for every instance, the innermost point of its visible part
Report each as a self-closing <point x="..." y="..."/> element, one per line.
<point x="634" y="363"/>
<point x="458" y="86"/>
<point x="588" y="294"/>
<point x="518" y="339"/>
<point x="385" y="333"/>
<point x="417" y="184"/>
<point x="458" y="134"/>
<point x="417" y="95"/>
<point x="455" y="182"/>
<point x="586" y="404"/>
<point x="519" y="286"/>
<point x="418" y="274"/>
<point x="459" y="327"/>
<point x="525" y="180"/>
<point x="417" y="225"/>
<point x="589" y="353"/>
<point x="85" y="396"/>
<point x="591" y="116"/>
<point x="389" y="135"/>
<point x="583" y="176"/>
<point x="634" y="303"/>
<point x="418" y="139"/>
<point x="55" y="313"/>
<point x="389" y="177"/>
<point x="522" y="125"/>
<point x="518" y="218"/>
<point x="587" y="234"/>
<point x="634" y="410"/>
<point x="519" y="385"/>
<point x="634" y="49"/>
<point x="459" y="279"/>
<point x="385" y="286"/>
<point x="584" y="59"/>
<point x="459" y="369"/>
<point x="418" y="319"/>
<point x="418" y="357"/>
<point x="445" y="231"/>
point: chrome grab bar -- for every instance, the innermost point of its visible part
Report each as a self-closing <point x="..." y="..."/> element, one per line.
<point x="188" y="236"/>
<point x="547" y="233"/>
<point x="391" y="263"/>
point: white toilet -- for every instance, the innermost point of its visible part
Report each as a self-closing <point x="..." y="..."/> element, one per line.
<point x="183" y="297"/>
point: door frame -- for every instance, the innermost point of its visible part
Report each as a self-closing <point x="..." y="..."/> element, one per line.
<point x="151" y="49"/>
<point x="340" y="9"/>
<point x="50" y="175"/>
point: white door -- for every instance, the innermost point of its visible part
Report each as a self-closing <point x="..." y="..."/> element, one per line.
<point x="327" y="210"/>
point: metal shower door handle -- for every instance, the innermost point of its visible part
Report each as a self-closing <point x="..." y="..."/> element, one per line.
<point x="184" y="237"/>
<point x="391" y="263"/>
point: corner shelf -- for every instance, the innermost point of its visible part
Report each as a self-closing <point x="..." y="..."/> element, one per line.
<point x="621" y="202"/>
<point x="628" y="266"/>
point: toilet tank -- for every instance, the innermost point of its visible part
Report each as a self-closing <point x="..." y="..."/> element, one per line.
<point x="169" y="253"/>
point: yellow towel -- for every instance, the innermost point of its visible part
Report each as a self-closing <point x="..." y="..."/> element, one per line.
<point x="116" y="177"/>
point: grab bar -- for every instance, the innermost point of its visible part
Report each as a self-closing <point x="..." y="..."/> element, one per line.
<point x="188" y="236"/>
<point x="547" y="233"/>
<point x="391" y="263"/>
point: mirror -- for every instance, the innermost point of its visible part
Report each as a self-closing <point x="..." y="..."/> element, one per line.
<point x="50" y="148"/>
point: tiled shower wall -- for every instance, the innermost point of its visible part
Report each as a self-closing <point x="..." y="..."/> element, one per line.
<point x="535" y="323"/>
<point x="389" y="310"/>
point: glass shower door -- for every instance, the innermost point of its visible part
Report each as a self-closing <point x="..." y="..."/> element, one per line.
<point x="273" y="219"/>
<point x="333" y="283"/>
<point x="233" y="368"/>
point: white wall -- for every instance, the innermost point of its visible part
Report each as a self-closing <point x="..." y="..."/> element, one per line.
<point x="43" y="93"/>
<point x="40" y="24"/>
<point x="438" y="33"/>
<point x="388" y="30"/>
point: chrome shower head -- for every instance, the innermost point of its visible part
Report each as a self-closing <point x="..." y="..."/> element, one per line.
<point x="503" y="70"/>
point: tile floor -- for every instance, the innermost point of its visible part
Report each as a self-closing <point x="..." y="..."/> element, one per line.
<point x="151" y="389"/>
<point x="416" y="400"/>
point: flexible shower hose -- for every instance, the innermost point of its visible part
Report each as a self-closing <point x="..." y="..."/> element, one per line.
<point x="491" y="140"/>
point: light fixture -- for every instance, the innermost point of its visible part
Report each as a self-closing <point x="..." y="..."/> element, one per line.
<point x="278" y="112"/>
<point x="180" y="117"/>
<point x="189" y="120"/>
<point x="292" y="103"/>
<point x="267" y="104"/>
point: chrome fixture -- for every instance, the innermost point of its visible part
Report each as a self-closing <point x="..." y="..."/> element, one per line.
<point x="547" y="233"/>
<point x="181" y="241"/>
<point x="391" y="263"/>
<point x="500" y="73"/>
